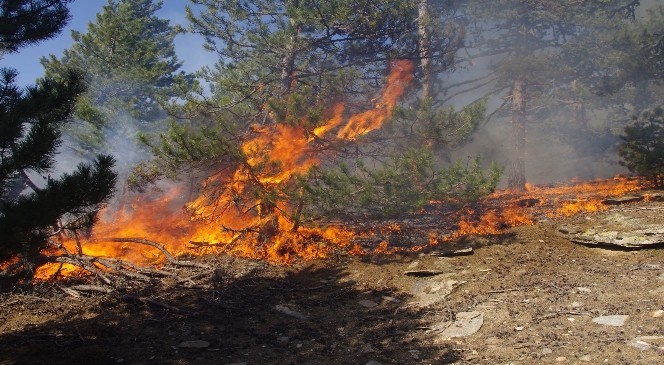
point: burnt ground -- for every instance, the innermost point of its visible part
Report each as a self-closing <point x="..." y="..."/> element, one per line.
<point x="536" y="291"/>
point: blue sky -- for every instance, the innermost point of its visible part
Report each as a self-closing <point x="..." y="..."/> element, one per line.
<point x="26" y="61"/>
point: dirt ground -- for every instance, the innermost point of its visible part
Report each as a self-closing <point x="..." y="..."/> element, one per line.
<point x="535" y="291"/>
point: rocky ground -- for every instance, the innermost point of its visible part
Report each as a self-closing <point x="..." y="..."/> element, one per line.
<point x="528" y="296"/>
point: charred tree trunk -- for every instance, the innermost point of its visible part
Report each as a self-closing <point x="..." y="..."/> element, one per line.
<point x="517" y="173"/>
<point x="425" y="57"/>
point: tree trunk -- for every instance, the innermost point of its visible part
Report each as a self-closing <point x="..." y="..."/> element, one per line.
<point x="517" y="173"/>
<point x="288" y="61"/>
<point x="423" y="38"/>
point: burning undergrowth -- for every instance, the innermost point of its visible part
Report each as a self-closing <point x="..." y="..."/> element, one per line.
<point x="148" y="235"/>
<point x="247" y="212"/>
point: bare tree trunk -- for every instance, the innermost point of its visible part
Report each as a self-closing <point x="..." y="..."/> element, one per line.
<point x="517" y="173"/>
<point x="423" y="37"/>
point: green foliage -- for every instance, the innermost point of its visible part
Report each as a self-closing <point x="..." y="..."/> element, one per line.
<point x="30" y="123"/>
<point x="401" y="185"/>
<point x="26" y="23"/>
<point x="642" y="150"/>
<point x="70" y="202"/>
<point x="128" y="58"/>
<point x="436" y="127"/>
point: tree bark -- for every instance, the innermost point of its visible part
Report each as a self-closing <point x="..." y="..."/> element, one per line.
<point x="288" y="61"/>
<point x="423" y="38"/>
<point x="517" y="173"/>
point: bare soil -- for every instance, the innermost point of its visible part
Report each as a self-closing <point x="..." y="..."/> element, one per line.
<point x="536" y="290"/>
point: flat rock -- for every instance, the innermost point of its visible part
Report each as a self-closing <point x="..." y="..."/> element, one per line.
<point x="423" y="273"/>
<point x="631" y="229"/>
<point x="466" y="324"/>
<point x="622" y="200"/>
<point x="616" y="320"/>
<point x="366" y="303"/>
<point x="433" y="290"/>
<point x="452" y="253"/>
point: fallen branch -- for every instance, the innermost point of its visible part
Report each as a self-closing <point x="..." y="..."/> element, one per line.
<point x="172" y="260"/>
<point x="92" y="288"/>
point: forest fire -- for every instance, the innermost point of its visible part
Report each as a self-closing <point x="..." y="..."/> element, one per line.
<point x="145" y="231"/>
<point x="493" y="215"/>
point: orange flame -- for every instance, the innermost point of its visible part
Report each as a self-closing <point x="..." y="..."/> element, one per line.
<point x="274" y="155"/>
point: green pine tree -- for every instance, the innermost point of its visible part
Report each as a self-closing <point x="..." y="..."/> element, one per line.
<point x="129" y="63"/>
<point x="642" y="150"/>
<point x="530" y="39"/>
<point x="30" y="123"/>
<point x="288" y="67"/>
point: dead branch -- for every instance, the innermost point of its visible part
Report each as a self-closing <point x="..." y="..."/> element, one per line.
<point x="85" y="263"/>
<point x="172" y="260"/>
<point x="92" y="288"/>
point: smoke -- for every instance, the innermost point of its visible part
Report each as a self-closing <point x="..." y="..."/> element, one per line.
<point x="566" y="139"/>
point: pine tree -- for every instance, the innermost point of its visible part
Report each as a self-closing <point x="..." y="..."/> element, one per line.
<point x="30" y="122"/>
<point x="286" y="63"/>
<point x="529" y="38"/>
<point x="129" y="63"/>
<point x="642" y="150"/>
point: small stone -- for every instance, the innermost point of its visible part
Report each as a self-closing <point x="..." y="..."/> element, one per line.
<point x="561" y="359"/>
<point x="582" y="289"/>
<point x="415" y="354"/>
<point x="641" y="345"/>
<point x="373" y="362"/>
<point x="576" y="305"/>
<point x="546" y="351"/>
<point x="658" y="313"/>
<point x="586" y="358"/>
<point x="195" y="344"/>
<point x="413" y="265"/>
<point x="283" y="339"/>
<point x="289" y="312"/>
<point x="650" y="339"/>
<point x="367" y="303"/>
<point x="299" y="345"/>
<point x="391" y="299"/>
<point x="519" y="328"/>
<point x="659" y="290"/>
<point x="571" y="319"/>
<point x="612" y="320"/>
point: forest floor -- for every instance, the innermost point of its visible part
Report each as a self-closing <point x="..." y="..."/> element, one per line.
<point x="534" y="293"/>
